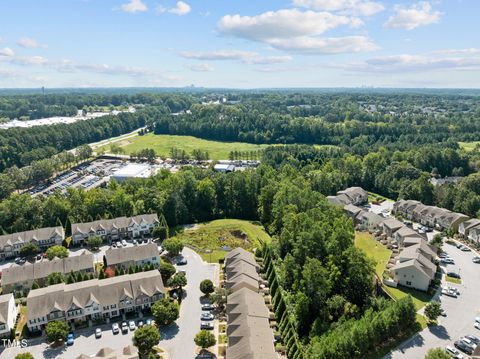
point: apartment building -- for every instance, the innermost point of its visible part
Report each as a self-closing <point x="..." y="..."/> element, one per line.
<point x="10" y="244"/>
<point x="125" y="257"/>
<point x="115" y="229"/>
<point x="8" y="315"/>
<point x="93" y="299"/>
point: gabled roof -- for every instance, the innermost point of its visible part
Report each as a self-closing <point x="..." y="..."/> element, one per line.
<point x="352" y="210"/>
<point x="4" y="307"/>
<point x="105" y="291"/>
<point x="411" y="263"/>
<point x="28" y="236"/>
<point x="109" y="224"/>
<point x="139" y="252"/>
<point x="392" y="224"/>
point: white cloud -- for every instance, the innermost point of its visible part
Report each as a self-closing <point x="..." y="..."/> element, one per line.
<point x="469" y="51"/>
<point x="318" y="46"/>
<point x="29" y="43"/>
<point x="297" y="31"/>
<point x="201" y="68"/>
<point x="134" y="6"/>
<point x="182" y="8"/>
<point x="411" y="63"/>
<point x="353" y="7"/>
<point x="286" y="23"/>
<point x="247" y="57"/>
<point x="7" y="52"/>
<point x="409" y="18"/>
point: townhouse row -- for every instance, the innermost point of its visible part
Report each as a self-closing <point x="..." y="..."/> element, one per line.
<point x="109" y="230"/>
<point x="248" y="318"/>
<point x="94" y="299"/>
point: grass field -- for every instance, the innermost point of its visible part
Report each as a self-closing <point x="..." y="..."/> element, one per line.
<point x="453" y="280"/>
<point x="468" y="146"/>
<point x="212" y="236"/>
<point x="162" y="144"/>
<point x="380" y="254"/>
<point x="374" y="250"/>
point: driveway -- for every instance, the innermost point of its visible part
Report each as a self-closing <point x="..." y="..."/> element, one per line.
<point x="460" y="311"/>
<point x="177" y="339"/>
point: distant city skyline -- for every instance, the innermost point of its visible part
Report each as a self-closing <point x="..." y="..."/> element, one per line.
<point x="239" y="44"/>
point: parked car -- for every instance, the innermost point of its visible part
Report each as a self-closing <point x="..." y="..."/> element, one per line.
<point x="206" y="325"/>
<point x="119" y="244"/>
<point x="449" y="293"/>
<point x="115" y="328"/>
<point x="131" y="325"/>
<point x="114" y="245"/>
<point x="454" y="353"/>
<point x="477" y="319"/>
<point x="98" y="333"/>
<point x="443" y="255"/>
<point x="476" y="259"/>
<point x="124" y="242"/>
<point x="457" y="292"/>
<point x="465" y="249"/>
<point x="124" y="328"/>
<point x="468" y="342"/>
<point x="150" y="322"/>
<point x="207" y="316"/>
<point x="140" y="324"/>
<point x="208" y="306"/>
<point x="473" y="338"/>
<point x="476" y="325"/>
<point x="463" y="347"/>
<point x="70" y="340"/>
<point x="182" y="261"/>
<point x="459" y="245"/>
<point x="443" y="313"/>
<point x="453" y="274"/>
<point x="134" y="241"/>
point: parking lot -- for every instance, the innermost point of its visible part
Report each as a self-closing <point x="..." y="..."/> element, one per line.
<point x="460" y="311"/>
<point x="86" y="176"/>
<point x="176" y="339"/>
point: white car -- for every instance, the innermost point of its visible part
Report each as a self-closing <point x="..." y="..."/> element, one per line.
<point x="131" y="325"/>
<point x="468" y="342"/>
<point x="476" y="259"/>
<point x="477" y="319"/>
<point x="98" y="333"/>
<point x="454" y="353"/>
<point x="450" y="293"/>
<point x="124" y="242"/>
<point x="477" y="325"/>
<point x="453" y="289"/>
<point x="115" y="328"/>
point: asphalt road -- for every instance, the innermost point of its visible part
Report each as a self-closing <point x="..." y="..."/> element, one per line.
<point x="177" y="339"/>
<point x="460" y="311"/>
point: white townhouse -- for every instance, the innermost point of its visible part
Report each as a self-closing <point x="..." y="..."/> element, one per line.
<point x="10" y="244"/>
<point x="8" y="314"/>
<point x="93" y="299"/>
<point x="115" y="229"/>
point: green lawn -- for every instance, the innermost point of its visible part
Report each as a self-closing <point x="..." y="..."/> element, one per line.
<point x="376" y="197"/>
<point x="419" y="298"/>
<point x="374" y="250"/>
<point x="162" y="144"/>
<point x="212" y="236"/>
<point x="453" y="280"/>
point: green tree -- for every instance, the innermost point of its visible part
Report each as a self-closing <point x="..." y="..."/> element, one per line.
<point x="437" y="353"/>
<point x="178" y="281"/>
<point x="57" y="251"/>
<point x="145" y="338"/>
<point x="165" y="311"/>
<point x="219" y="297"/>
<point x="94" y="242"/>
<point x="166" y="270"/>
<point x="56" y="330"/>
<point x="205" y="339"/>
<point x="55" y="278"/>
<point x="173" y="245"/>
<point x="29" y="250"/>
<point x="433" y="310"/>
<point x="160" y="232"/>
<point x="207" y="287"/>
<point x="24" y="356"/>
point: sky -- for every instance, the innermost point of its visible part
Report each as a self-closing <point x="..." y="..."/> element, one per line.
<point x="240" y="43"/>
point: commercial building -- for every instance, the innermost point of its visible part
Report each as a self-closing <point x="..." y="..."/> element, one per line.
<point x="133" y="170"/>
<point x="125" y="257"/>
<point x="115" y="229"/>
<point x="20" y="278"/>
<point x="94" y="299"/>
<point x="10" y="244"/>
<point x="8" y="315"/>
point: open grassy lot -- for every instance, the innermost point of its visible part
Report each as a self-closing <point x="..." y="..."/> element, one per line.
<point x="468" y="146"/>
<point x="453" y="280"/>
<point x="162" y="144"/>
<point x="209" y="238"/>
<point x="381" y="254"/>
<point x="374" y="250"/>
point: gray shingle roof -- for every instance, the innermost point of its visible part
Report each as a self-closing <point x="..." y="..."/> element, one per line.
<point x="114" y="256"/>
<point x="4" y="313"/>
<point x="28" y="236"/>
<point x="109" y="224"/>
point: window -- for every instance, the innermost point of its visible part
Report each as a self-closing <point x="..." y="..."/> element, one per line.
<point x="409" y="283"/>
